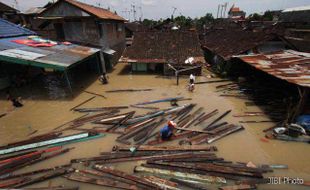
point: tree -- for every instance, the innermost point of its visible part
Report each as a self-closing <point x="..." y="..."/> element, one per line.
<point x="200" y="22"/>
<point x="255" y="17"/>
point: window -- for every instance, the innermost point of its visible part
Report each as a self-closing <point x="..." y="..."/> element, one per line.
<point x="119" y="27"/>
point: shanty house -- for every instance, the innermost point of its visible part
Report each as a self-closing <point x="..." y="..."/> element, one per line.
<point x="9" y="13"/>
<point x="21" y="49"/>
<point x="82" y="23"/>
<point x="157" y="51"/>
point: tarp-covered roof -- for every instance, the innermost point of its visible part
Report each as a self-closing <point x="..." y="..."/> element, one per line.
<point x="8" y="29"/>
<point x="164" y="46"/>
<point x="289" y="65"/>
<point x="60" y="57"/>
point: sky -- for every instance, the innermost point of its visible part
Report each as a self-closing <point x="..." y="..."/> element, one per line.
<point x="156" y="9"/>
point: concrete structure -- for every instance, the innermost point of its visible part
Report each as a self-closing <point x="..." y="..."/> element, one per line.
<point x="88" y="25"/>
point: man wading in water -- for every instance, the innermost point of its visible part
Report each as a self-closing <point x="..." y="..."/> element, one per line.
<point x="167" y="131"/>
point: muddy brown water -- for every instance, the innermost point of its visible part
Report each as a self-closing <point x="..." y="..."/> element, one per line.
<point x="44" y="110"/>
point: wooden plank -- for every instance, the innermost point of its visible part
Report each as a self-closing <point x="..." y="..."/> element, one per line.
<point x="166" y="148"/>
<point x="82" y="103"/>
<point x="198" y="177"/>
<point x="238" y="187"/>
<point x="225" y="133"/>
<point x="44" y="143"/>
<point x="95" y="94"/>
<point x="126" y="176"/>
<point x="101" y="182"/>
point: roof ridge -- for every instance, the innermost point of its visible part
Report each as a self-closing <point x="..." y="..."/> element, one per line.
<point x="86" y="4"/>
<point x="94" y="10"/>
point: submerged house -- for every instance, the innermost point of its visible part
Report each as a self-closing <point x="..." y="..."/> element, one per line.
<point x="221" y="45"/>
<point x="156" y="51"/>
<point x="85" y="24"/>
<point x="21" y="50"/>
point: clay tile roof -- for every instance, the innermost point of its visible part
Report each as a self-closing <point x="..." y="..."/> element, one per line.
<point x="172" y="46"/>
<point x="96" y="11"/>
<point x="235" y="9"/>
<point x="230" y="42"/>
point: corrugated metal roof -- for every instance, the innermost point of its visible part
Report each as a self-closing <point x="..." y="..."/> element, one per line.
<point x="289" y="65"/>
<point x="8" y="29"/>
<point x="97" y="11"/>
<point x="57" y="57"/>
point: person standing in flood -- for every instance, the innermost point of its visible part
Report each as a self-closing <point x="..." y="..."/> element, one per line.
<point x="191" y="85"/>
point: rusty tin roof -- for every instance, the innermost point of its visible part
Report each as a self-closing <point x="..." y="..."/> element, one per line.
<point x="289" y="65"/>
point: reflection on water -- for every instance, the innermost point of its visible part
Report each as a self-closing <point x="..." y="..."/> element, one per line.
<point x="55" y="87"/>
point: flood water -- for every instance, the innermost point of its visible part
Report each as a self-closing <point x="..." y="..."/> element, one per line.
<point x="47" y="106"/>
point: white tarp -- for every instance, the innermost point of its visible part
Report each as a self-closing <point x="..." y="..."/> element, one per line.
<point x="21" y="54"/>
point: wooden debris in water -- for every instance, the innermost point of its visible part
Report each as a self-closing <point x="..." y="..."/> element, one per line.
<point x="238" y="187"/>
<point x="100" y="109"/>
<point x="129" y="90"/>
<point x="82" y="103"/>
<point x="166" y="148"/>
<point x="212" y="81"/>
<point x="100" y="95"/>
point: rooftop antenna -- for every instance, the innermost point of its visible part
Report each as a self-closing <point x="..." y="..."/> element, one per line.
<point x="218" y="10"/>
<point x="225" y="5"/>
<point x="174" y="9"/>
<point x="141" y="13"/>
<point x="223" y="11"/>
<point x="126" y="13"/>
<point x="134" y="11"/>
<point x="16" y="4"/>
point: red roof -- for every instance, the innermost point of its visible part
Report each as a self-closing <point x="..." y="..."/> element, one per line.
<point x="235" y="9"/>
<point x="96" y="11"/>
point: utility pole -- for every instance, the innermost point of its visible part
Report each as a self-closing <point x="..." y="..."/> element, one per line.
<point x="225" y="5"/>
<point x="218" y="9"/>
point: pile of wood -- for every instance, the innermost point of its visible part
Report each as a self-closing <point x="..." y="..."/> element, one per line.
<point x="19" y="155"/>
<point x="170" y="167"/>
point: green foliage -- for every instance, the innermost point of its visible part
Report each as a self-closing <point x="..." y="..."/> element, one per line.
<point x="182" y="21"/>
